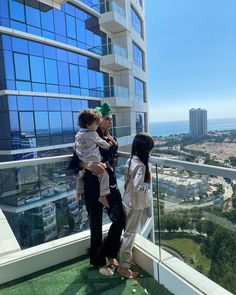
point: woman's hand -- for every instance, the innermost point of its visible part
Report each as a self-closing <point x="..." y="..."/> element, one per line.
<point x="97" y="168"/>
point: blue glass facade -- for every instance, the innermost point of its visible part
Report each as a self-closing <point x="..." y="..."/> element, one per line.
<point x="33" y="121"/>
<point x="43" y="121"/>
<point x="35" y="66"/>
<point x="32" y="66"/>
<point x="70" y="25"/>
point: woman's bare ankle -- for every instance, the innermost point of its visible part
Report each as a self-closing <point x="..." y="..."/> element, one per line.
<point x="126" y="272"/>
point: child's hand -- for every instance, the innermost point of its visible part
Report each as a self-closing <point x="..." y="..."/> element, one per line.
<point x="112" y="141"/>
<point x="104" y="165"/>
<point x="78" y="196"/>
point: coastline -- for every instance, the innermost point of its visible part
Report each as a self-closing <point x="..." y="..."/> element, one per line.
<point x="182" y="127"/>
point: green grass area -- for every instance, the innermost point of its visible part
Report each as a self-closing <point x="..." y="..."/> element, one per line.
<point x="78" y="277"/>
<point x="188" y="246"/>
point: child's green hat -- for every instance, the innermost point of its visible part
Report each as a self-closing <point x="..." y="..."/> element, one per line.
<point x="104" y="109"/>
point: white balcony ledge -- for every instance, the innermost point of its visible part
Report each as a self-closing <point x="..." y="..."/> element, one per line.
<point x="115" y="62"/>
<point x="113" y="22"/>
<point x="118" y="101"/>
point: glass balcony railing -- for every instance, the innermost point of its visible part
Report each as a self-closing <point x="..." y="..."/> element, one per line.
<point x="121" y="131"/>
<point x="37" y="197"/>
<point x="112" y="5"/>
<point x="110" y="91"/>
<point x="105" y="6"/>
<point x="192" y="214"/>
<point x="109" y="48"/>
<point x="195" y="217"/>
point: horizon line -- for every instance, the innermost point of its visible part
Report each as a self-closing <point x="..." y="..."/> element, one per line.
<point x="188" y="120"/>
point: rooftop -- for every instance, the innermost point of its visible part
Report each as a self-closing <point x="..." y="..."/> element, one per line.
<point x="78" y="277"/>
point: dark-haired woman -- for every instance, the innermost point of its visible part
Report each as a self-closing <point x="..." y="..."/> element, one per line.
<point x="100" y="248"/>
<point x="135" y="199"/>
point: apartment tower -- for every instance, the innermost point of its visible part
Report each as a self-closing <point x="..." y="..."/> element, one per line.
<point x="198" y="122"/>
<point x="57" y="58"/>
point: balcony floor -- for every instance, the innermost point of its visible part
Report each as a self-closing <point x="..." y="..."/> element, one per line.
<point x="78" y="277"/>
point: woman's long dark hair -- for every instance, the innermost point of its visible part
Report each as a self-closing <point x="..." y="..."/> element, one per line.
<point x="141" y="147"/>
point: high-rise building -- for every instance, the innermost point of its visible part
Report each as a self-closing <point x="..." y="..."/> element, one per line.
<point x="56" y="58"/>
<point x="198" y="122"/>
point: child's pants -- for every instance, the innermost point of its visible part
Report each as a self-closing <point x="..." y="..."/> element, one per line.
<point x="133" y="218"/>
<point x="103" y="179"/>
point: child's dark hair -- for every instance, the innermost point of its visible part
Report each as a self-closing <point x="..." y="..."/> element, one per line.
<point x="88" y="117"/>
<point x="141" y="147"/>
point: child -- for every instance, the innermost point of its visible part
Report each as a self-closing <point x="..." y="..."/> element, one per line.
<point x="87" y="143"/>
<point x="135" y="199"/>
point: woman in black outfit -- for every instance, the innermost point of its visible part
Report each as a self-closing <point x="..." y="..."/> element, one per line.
<point x="109" y="247"/>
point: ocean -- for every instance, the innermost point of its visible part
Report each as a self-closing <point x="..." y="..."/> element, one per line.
<point x="180" y="127"/>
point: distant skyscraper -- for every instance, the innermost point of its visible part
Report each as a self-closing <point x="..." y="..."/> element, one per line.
<point x="198" y="122"/>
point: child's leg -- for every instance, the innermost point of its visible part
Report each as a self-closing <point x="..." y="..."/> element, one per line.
<point x="126" y="255"/>
<point x="104" y="188"/>
<point x="103" y="200"/>
<point x="79" y="185"/>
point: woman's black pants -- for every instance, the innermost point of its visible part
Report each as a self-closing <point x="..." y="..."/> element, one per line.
<point x="109" y="247"/>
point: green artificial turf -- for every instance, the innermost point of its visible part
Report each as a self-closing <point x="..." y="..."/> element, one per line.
<point x="78" y="277"/>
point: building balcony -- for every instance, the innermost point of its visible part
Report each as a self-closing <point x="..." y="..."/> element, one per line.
<point x="113" y="17"/>
<point x="186" y="239"/>
<point x="116" y="95"/>
<point x="114" y="56"/>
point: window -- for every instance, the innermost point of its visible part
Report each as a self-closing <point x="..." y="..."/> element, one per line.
<point x="51" y="71"/>
<point x="60" y="24"/>
<point x="37" y="69"/>
<point x="47" y="17"/>
<point x="14" y="121"/>
<point x="17" y="11"/>
<point x="54" y="104"/>
<point x="74" y="75"/>
<point x="19" y="45"/>
<point x="70" y="25"/>
<point x="139" y="90"/>
<point x="136" y="22"/>
<point x="55" y="123"/>
<point x="67" y="126"/>
<point x="40" y="103"/>
<point x="63" y="73"/>
<point x="12" y="103"/>
<point x="22" y="66"/>
<point x="140" y="127"/>
<point x="9" y="66"/>
<point x="33" y="14"/>
<point x="76" y="105"/>
<point x="25" y="103"/>
<point x="27" y="124"/>
<point x="138" y="57"/>
<point x="65" y="104"/>
<point x="41" y="123"/>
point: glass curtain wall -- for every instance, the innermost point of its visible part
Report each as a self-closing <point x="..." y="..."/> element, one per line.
<point x="37" y="67"/>
<point x="70" y="25"/>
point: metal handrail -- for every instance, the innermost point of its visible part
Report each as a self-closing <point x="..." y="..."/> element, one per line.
<point x="200" y="168"/>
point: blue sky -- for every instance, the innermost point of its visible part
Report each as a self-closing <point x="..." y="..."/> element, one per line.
<point x="191" y="58"/>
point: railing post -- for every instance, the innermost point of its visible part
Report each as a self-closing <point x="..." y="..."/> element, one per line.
<point x="158" y="214"/>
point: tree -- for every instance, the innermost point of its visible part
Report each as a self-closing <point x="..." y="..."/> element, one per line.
<point x="171" y="223"/>
<point x="232" y="160"/>
<point x="223" y="254"/>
